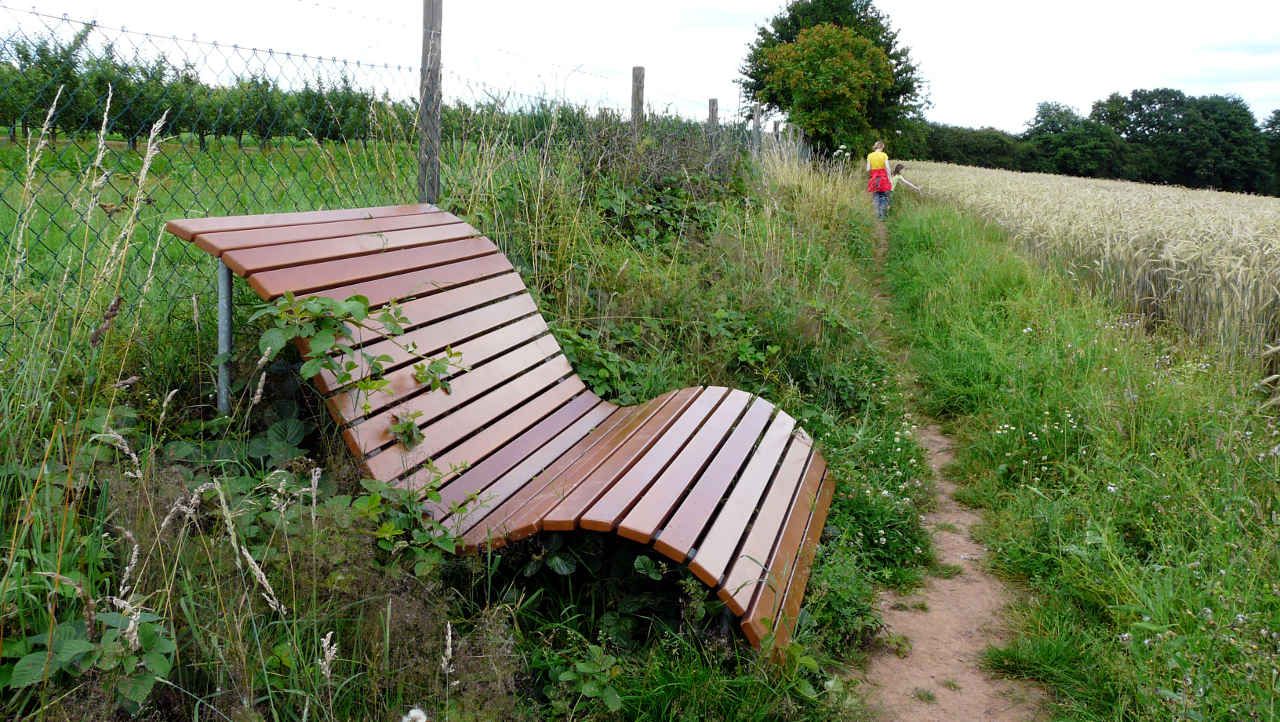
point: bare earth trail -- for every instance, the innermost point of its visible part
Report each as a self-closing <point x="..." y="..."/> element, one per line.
<point x="930" y="670"/>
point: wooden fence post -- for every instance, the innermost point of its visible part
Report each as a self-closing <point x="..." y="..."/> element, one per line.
<point x="637" y="100"/>
<point x="755" y="126"/>
<point x="429" y="99"/>
<point x="713" y="113"/>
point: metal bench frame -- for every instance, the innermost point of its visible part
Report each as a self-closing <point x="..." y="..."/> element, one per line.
<point x="713" y="478"/>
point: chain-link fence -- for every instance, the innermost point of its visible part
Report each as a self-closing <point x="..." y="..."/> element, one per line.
<point x="245" y="130"/>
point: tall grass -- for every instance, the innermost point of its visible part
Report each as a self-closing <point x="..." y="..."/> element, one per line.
<point x="1129" y="477"/>
<point x="1202" y="260"/>
<point x="162" y="558"/>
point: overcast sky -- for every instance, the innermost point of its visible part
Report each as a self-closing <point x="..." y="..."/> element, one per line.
<point x="986" y="62"/>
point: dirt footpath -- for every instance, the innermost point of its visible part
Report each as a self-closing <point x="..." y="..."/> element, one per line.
<point x="929" y="667"/>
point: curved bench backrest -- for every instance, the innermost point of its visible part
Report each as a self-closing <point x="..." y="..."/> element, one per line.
<point x="713" y="477"/>
<point x="457" y="290"/>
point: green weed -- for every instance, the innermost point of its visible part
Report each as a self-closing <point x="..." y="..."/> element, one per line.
<point x="1129" y="479"/>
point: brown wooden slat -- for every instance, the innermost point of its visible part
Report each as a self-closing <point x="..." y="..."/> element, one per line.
<point x="628" y="465"/>
<point x="718" y="546"/>
<point x="315" y="276"/>
<point x="784" y="622"/>
<point x="760" y="614"/>
<point x="219" y="243"/>
<point x="188" y="228"/>
<point x="375" y="433"/>
<point x="436" y="306"/>
<point x="479" y="476"/>
<point x="549" y="454"/>
<point x="348" y="405"/>
<point x="266" y="258"/>
<point x="751" y="565"/>
<point x="415" y="283"/>
<point x="502" y="430"/>
<point x="432" y="339"/>
<point x="602" y="415"/>
<point x="465" y="420"/>
<point x="666" y="461"/>
<point x="649" y="511"/>
<point x="605" y="461"/>
<point x="686" y="524"/>
<point x="491" y="526"/>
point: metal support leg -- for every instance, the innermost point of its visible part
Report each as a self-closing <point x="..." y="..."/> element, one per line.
<point x="224" y="339"/>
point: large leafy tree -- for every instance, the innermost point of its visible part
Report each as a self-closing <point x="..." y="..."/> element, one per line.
<point x="902" y="99"/>
<point x="1066" y="143"/>
<point x="832" y="76"/>
<point x="1222" y="147"/>
<point x="1271" y="132"/>
<point x="1150" y="121"/>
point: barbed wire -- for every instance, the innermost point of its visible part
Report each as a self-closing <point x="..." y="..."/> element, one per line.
<point x="580" y="69"/>
<point x="194" y="40"/>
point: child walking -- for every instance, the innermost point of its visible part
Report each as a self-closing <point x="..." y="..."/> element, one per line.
<point x="897" y="178"/>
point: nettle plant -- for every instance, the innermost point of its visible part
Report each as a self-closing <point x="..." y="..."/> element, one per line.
<point x="325" y="325"/>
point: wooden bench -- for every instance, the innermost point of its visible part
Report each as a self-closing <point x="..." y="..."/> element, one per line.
<point x="711" y="477"/>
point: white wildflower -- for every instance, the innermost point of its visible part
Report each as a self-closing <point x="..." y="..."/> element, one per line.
<point x="328" y="651"/>
<point x="315" y="491"/>
<point x="268" y="593"/>
<point x="446" y="659"/>
<point x="133" y="563"/>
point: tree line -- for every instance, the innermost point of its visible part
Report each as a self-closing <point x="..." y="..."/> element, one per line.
<point x="837" y="70"/>
<point x="1151" y="136"/>
<point x="35" y="72"/>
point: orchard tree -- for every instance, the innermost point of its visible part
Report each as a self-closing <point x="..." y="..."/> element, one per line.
<point x="832" y="78"/>
<point x="900" y="101"/>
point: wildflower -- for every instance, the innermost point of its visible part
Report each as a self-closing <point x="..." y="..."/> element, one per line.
<point x="1111" y="488"/>
<point x="111" y="438"/>
<point x="415" y="715"/>
<point x="257" y="394"/>
<point x="329" y="651"/>
<point x="446" y="659"/>
<point x="1126" y="637"/>
<point x="315" y="491"/>
<point x="133" y="563"/>
<point x="108" y="316"/>
<point x="268" y="593"/>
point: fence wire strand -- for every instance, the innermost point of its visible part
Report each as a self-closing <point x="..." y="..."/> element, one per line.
<point x="247" y="130"/>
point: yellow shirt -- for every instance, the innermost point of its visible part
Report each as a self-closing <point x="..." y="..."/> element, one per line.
<point x="878" y="159"/>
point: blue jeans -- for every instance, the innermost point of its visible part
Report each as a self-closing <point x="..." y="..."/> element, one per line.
<point x="881" y="201"/>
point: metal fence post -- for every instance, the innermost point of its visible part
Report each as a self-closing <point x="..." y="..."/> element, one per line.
<point x="224" y="339"/>
<point x="429" y="99"/>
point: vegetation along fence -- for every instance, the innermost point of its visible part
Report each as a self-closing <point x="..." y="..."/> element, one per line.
<point x="245" y="130"/>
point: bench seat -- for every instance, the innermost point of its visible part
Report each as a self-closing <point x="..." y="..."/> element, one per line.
<point x="713" y="478"/>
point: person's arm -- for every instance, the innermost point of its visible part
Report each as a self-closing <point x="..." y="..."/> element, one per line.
<point x="913" y="185"/>
<point x="868" y="164"/>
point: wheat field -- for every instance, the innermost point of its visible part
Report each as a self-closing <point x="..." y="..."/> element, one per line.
<point x="1206" y="261"/>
